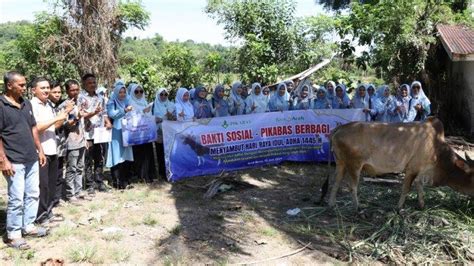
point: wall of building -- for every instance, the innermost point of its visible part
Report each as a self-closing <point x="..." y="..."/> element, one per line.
<point x="461" y="76"/>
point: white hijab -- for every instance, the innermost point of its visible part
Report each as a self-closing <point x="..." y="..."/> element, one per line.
<point x="138" y="103"/>
<point x="183" y="107"/>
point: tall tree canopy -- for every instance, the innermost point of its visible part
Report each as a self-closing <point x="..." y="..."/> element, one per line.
<point x="78" y="36"/>
<point x="274" y="41"/>
<point x="398" y="34"/>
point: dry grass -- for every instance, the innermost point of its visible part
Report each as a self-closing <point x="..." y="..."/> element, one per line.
<point x="441" y="233"/>
<point x="174" y="225"/>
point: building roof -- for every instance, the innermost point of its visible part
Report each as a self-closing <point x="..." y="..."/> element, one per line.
<point x="458" y="40"/>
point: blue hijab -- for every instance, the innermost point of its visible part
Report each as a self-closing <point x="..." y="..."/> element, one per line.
<point x="279" y="102"/>
<point x="238" y="102"/>
<point x="321" y="102"/>
<point x="359" y="101"/>
<point x="223" y="109"/>
<point x="331" y="94"/>
<point x="191" y="95"/>
<point x="114" y="99"/>
<point x="303" y="102"/>
<point x="341" y="103"/>
<point x="202" y="109"/>
<point x="160" y="108"/>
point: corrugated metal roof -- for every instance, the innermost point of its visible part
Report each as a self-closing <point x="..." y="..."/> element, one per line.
<point x="458" y="39"/>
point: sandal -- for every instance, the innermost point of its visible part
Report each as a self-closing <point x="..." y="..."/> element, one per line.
<point x="18" y="243"/>
<point x="57" y="218"/>
<point x="37" y="232"/>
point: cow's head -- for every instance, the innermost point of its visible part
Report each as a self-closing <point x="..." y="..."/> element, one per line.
<point x="467" y="167"/>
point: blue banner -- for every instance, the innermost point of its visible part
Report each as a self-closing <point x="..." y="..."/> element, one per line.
<point x="138" y="129"/>
<point x="210" y="146"/>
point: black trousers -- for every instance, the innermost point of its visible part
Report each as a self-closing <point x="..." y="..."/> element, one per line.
<point x="59" y="181"/>
<point x="160" y="154"/>
<point x="94" y="165"/>
<point x="48" y="175"/>
<point x="144" y="162"/>
<point x="121" y="174"/>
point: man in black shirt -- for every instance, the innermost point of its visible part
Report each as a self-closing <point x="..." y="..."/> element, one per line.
<point x="20" y="156"/>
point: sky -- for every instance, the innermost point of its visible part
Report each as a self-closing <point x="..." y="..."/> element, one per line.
<point x="173" y="19"/>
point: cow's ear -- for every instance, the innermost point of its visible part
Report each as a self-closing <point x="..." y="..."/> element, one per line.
<point x="461" y="164"/>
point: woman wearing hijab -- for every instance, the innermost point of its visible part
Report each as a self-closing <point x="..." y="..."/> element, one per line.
<point x="304" y="98"/>
<point x="360" y="99"/>
<point x="191" y="95"/>
<point x="202" y="107"/>
<point x="236" y="102"/>
<point x="245" y="91"/>
<point x="321" y="101"/>
<point x="118" y="156"/>
<point x="340" y="100"/>
<point x="220" y="106"/>
<point x="162" y="109"/>
<point x="279" y="101"/>
<point x="330" y="86"/>
<point x="385" y="110"/>
<point x="402" y="105"/>
<point x="267" y="93"/>
<point x="184" y="108"/>
<point x="145" y="167"/>
<point x="256" y="102"/>
<point x="420" y="104"/>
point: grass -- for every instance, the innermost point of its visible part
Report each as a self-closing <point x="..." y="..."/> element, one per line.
<point x="150" y="220"/>
<point x="62" y="232"/>
<point x="115" y="237"/>
<point x="443" y="232"/>
<point x="268" y="231"/>
<point x="119" y="255"/>
<point x="20" y="257"/>
<point x="84" y="253"/>
<point x="176" y="230"/>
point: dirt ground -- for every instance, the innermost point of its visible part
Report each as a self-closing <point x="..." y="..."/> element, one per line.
<point x="172" y="224"/>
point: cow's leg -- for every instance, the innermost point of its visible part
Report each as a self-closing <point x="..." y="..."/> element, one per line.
<point x="419" y="188"/>
<point x="340" y="170"/>
<point x="355" y="175"/>
<point x="409" y="177"/>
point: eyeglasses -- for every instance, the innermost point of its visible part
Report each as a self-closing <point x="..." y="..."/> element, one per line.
<point x="139" y="91"/>
<point x="163" y="94"/>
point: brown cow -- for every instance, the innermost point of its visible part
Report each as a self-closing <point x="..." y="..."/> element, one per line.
<point x="417" y="148"/>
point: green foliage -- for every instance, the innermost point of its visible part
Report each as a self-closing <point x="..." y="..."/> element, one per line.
<point x="33" y="58"/>
<point x="131" y="14"/>
<point x="180" y="67"/>
<point x="274" y="40"/>
<point x="399" y="34"/>
<point x="143" y="72"/>
<point x="213" y="64"/>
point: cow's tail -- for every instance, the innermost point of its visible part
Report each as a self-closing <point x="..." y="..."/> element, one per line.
<point x="325" y="186"/>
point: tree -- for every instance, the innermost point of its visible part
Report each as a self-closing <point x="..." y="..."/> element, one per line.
<point x="143" y="72"/>
<point x="79" y="36"/>
<point x="399" y="34"/>
<point x="274" y="41"/>
<point x="212" y="66"/>
<point x="180" y="67"/>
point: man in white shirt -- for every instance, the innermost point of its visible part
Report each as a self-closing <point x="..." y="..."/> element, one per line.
<point x="46" y="121"/>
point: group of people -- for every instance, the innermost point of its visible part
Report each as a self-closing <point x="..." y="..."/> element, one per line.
<point x="50" y="153"/>
<point x="409" y="104"/>
<point x="50" y="150"/>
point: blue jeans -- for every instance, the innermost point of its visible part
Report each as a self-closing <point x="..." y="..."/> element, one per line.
<point x="23" y="198"/>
